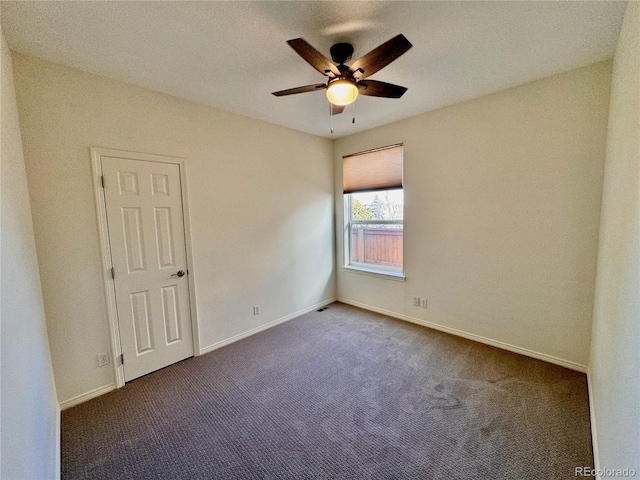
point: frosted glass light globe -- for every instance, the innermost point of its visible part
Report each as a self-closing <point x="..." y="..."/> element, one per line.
<point x="342" y="92"/>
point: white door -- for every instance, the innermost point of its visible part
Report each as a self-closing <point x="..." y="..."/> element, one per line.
<point x="146" y="234"/>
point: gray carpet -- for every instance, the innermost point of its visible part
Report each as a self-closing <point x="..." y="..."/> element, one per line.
<point x="339" y="394"/>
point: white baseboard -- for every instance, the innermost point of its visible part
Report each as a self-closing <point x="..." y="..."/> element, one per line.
<point x="472" y="336"/>
<point x="261" y="328"/>
<point x="72" y="402"/>
<point x="108" y="388"/>
<point x="592" y="417"/>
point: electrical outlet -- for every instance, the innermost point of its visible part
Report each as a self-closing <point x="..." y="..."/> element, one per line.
<point x="423" y="302"/>
<point x="103" y="359"/>
<point x="416" y="301"/>
<point x="256" y="309"/>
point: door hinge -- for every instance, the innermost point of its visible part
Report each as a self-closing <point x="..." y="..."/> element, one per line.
<point x="113" y="274"/>
<point x="122" y="359"/>
<point x="102" y="180"/>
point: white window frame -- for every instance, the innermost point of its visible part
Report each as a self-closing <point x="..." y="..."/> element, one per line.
<point x="368" y="268"/>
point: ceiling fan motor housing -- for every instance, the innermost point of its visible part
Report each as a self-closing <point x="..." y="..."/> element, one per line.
<point x="341" y="52"/>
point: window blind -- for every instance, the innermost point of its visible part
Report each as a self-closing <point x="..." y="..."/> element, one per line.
<point x="379" y="169"/>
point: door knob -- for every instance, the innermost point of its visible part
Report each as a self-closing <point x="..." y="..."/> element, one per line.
<point x="179" y="274"/>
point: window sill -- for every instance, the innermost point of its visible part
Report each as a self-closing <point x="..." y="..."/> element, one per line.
<point x="372" y="272"/>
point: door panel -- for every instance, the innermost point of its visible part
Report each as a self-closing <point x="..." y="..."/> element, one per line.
<point x="142" y="323"/>
<point x="164" y="240"/>
<point x="146" y="233"/>
<point x="170" y="314"/>
<point x="134" y="249"/>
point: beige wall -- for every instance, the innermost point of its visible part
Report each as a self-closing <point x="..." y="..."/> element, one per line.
<point x="502" y="212"/>
<point x="29" y="437"/>
<point x="501" y="216"/>
<point x="615" y="350"/>
<point x="260" y="207"/>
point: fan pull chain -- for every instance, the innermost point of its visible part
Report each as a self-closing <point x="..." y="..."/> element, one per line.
<point x="331" y="115"/>
<point x="353" y="112"/>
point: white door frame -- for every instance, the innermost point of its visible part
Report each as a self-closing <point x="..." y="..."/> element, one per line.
<point x="105" y="249"/>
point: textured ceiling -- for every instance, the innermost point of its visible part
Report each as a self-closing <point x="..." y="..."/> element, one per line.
<point x="232" y="55"/>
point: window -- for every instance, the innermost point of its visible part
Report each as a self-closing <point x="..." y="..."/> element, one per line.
<point x="374" y="204"/>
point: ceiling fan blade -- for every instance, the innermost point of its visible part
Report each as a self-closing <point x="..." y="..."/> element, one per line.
<point x="305" y="89"/>
<point x="314" y="57"/>
<point x="336" y="109"/>
<point x="380" y="57"/>
<point x="374" y="88"/>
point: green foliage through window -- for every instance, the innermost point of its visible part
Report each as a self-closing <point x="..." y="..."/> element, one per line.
<point x="361" y="212"/>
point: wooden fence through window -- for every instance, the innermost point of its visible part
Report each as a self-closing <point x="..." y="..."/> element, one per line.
<point x="377" y="246"/>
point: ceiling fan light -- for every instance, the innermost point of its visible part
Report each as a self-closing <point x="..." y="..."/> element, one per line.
<point x="342" y="92"/>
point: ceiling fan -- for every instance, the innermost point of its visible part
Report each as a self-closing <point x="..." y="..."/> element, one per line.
<point x="345" y="82"/>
